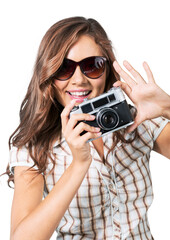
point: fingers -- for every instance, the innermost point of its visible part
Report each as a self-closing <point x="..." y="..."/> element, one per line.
<point x="91" y="131"/>
<point x="134" y="73"/>
<point x="73" y="134"/>
<point x="72" y="127"/>
<point x="137" y="121"/>
<point x="149" y="73"/>
<point x="66" y="112"/>
<point x="125" y="87"/>
<point x="81" y="126"/>
<point x="133" y="126"/>
<point x="123" y="74"/>
<point x="90" y="135"/>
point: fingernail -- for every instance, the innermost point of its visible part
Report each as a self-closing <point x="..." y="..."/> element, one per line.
<point x="99" y="134"/>
<point x="97" y="129"/>
<point x="92" y="117"/>
<point x="73" y="101"/>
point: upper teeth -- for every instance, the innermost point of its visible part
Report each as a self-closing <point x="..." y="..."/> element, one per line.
<point x="79" y="93"/>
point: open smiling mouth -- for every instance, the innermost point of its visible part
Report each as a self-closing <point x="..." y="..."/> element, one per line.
<point x="82" y="94"/>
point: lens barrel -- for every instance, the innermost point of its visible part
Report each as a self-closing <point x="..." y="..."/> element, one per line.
<point x="107" y="118"/>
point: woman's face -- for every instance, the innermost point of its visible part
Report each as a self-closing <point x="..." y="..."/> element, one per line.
<point x="79" y="86"/>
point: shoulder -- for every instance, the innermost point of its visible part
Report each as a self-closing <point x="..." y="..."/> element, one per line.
<point x="152" y="127"/>
<point x="162" y="143"/>
<point x="20" y="157"/>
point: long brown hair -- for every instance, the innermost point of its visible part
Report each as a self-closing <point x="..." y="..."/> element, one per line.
<point x="40" y="123"/>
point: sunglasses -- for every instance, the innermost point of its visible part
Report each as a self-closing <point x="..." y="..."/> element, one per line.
<point x="91" y="67"/>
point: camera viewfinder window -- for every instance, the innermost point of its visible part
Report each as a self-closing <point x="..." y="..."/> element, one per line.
<point x="111" y="97"/>
<point x="87" y="108"/>
<point x="100" y="102"/>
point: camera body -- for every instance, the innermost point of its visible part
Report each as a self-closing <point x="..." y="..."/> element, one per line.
<point x="110" y="109"/>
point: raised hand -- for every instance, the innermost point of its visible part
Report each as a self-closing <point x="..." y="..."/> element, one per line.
<point x="149" y="99"/>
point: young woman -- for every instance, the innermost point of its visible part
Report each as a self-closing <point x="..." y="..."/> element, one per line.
<point x="96" y="190"/>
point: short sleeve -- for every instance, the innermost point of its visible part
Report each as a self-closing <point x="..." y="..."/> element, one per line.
<point x="20" y="157"/>
<point x="155" y="126"/>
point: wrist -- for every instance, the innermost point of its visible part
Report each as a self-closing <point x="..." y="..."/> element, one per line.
<point x="81" y="165"/>
<point x="166" y="108"/>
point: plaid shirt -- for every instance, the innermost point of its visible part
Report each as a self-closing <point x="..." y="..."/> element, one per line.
<point x="114" y="197"/>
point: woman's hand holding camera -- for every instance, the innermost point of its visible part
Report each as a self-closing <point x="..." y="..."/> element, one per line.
<point x="149" y="99"/>
<point x="71" y="130"/>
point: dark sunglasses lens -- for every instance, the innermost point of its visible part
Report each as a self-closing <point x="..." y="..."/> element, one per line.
<point x="66" y="70"/>
<point x="93" y="67"/>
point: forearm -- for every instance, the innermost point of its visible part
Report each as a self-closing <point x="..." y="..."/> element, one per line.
<point x="42" y="222"/>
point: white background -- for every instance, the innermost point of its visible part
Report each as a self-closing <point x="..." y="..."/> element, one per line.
<point x="139" y="31"/>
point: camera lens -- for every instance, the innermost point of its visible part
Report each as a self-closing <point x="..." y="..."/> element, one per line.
<point x="107" y="118"/>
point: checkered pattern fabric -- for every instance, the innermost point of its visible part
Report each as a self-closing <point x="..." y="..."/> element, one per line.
<point x="114" y="197"/>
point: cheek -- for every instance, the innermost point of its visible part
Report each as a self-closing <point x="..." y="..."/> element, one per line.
<point x="59" y="89"/>
<point x="100" y="83"/>
<point x="59" y="86"/>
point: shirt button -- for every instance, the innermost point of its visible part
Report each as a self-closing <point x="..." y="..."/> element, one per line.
<point x="111" y="186"/>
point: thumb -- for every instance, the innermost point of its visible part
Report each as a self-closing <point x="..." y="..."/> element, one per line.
<point x="124" y="86"/>
<point x="137" y="122"/>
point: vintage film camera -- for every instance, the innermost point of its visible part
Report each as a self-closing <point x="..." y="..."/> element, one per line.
<point x="111" y="110"/>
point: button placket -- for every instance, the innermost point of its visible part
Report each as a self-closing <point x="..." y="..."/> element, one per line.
<point x="104" y="169"/>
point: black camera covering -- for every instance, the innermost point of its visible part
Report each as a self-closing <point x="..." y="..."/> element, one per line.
<point x="110" y="109"/>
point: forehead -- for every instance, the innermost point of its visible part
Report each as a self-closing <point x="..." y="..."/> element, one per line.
<point x="83" y="48"/>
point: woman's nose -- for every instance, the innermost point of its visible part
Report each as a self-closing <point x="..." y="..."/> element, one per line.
<point x="78" y="77"/>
